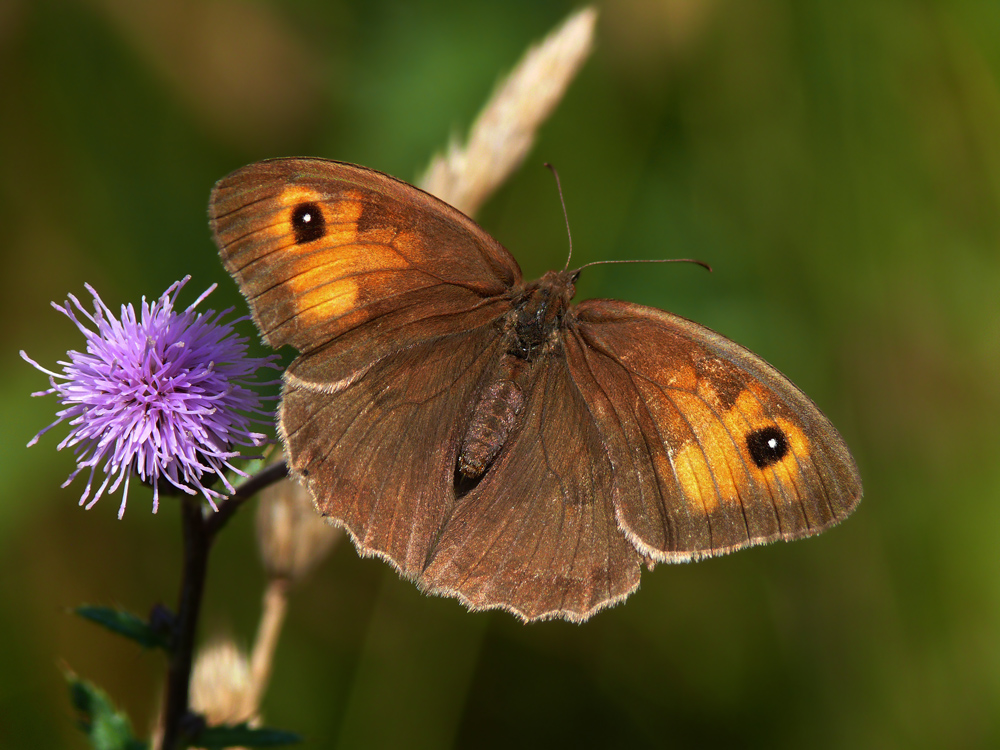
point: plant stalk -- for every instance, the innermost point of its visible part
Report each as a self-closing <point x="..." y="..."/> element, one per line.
<point x="198" y="532"/>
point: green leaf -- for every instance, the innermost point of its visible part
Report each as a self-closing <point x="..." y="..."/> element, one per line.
<point x="222" y="736"/>
<point x="126" y="624"/>
<point x="107" y="728"/>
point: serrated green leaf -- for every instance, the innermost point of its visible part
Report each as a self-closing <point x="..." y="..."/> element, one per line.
<point x="105" y="726"/>
<point x="125" y="623"/>
<point x="215" y="738"/>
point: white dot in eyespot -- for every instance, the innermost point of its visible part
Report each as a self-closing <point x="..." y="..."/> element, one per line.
<point x="772" y="443"/>
<point x="306" y="218"/>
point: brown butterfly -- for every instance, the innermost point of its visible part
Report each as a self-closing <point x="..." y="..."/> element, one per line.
<point x="491" y="440"/>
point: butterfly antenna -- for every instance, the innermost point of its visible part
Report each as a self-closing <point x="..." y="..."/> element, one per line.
<point x="562" y="200"/>
<point x="569" y="235"/>
<point x="697" y="262"/>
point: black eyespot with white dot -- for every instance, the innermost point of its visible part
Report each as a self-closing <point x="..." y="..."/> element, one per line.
<point x="767" y="446"/>
<point x="308" y="223"/>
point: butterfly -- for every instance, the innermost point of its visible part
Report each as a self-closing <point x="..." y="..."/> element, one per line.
<point x="490" y="439"/>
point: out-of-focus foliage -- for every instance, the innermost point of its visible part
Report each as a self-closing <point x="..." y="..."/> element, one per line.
<point x="837" y="163"/>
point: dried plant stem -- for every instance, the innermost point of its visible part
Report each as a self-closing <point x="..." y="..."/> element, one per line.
<point x="199" y="532"/>
<point x="504" y="131"/>
<point x="275" y="605"/>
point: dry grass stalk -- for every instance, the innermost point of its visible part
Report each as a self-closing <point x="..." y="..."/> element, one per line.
<point x="465" y="176"/>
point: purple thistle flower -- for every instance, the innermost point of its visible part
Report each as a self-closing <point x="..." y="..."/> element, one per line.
<point x="163" y="395"/>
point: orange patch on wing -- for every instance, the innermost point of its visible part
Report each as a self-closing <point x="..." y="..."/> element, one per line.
<point x="327" y="275"/>
<point x="695" y="477"/>
<point x="346" y="210"/>
<point x="708" y="468"/>
<point x="797" y="439"/>
<point x="716" y="466"/>
<point x="788" y="469"/>
<point x="332" y="280"/>
<point x="747" y="415"/>
<point x="341" y="216"/>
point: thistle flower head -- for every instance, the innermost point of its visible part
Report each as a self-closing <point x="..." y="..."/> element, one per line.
<point x="161" y="394"/>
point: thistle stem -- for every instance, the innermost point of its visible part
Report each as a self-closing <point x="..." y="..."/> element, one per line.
<point x="198" y="533"/>
<point x="197" y="542"/>
<point x="263" y="478"/>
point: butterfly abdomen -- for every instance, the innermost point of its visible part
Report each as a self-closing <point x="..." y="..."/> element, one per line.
<point x="533" y="327"/>
<point x="494" y="418"/>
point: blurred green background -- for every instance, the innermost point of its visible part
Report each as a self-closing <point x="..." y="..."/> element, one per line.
<point x="837" y="163"/>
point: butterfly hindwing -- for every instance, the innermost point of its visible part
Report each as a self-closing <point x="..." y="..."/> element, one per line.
<point x="537" y="536"/>
<point x="379" y="455"/>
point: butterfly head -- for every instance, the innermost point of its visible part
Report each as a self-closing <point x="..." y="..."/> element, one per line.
<point x="558" y="288"/>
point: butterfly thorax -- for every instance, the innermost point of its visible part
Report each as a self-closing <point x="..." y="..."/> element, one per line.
<point x="531" y="334"/>
<point x="538" y="312"/>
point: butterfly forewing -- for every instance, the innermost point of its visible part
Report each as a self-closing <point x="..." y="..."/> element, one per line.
<point x="717" y="449"/>
<point x="321" y="248"/>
